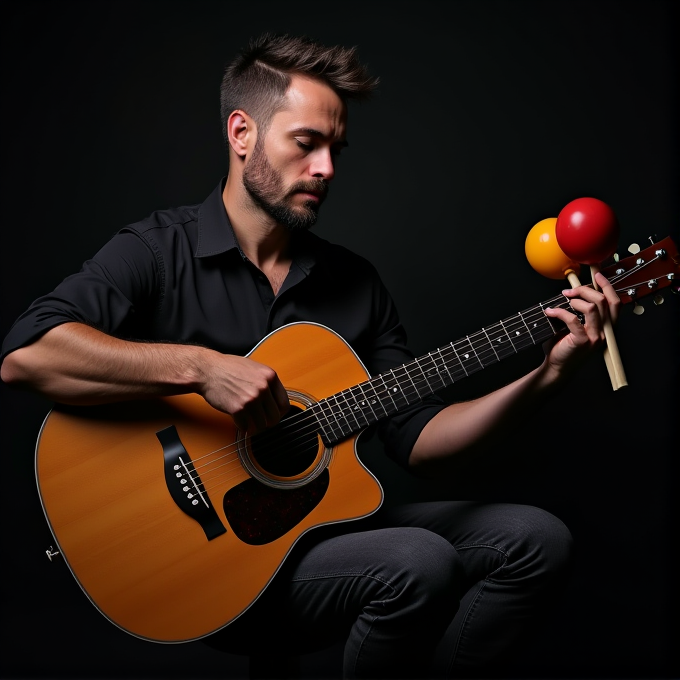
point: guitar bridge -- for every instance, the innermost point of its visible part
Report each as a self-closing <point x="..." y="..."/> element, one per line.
<point x="185" y="485"/>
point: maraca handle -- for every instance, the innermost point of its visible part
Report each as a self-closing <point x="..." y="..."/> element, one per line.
<point x="618" y="378"/>
<point x="611" y="351"/>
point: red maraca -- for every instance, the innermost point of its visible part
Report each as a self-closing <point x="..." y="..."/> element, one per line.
<point x="587" y="231"/>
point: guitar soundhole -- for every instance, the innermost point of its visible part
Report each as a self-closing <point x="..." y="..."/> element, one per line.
<point x="287" y="449"/>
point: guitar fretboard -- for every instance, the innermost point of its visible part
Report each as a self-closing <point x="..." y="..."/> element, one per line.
<point x="357" y="407"/>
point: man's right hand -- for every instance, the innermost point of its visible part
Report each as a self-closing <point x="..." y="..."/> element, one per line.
<point x="76" y="364"/>
<point x="249" y="391"/>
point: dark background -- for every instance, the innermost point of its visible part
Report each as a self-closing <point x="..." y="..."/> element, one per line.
<point x="491" y="116"/>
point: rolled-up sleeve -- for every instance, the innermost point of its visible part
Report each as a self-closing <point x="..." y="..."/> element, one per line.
<point x="119" y="282"/>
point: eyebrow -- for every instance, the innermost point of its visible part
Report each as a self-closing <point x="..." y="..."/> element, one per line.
<point x="317" y="133"/>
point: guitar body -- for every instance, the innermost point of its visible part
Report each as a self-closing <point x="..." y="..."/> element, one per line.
<point x="147" y="565"/>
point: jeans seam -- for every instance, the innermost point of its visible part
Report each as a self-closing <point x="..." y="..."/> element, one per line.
<point x="352" y="574"/>
<point x="477" y="597"/>
<point x="471" y="546"/>
<point x="341" y="574"/>
<point x="363" y="643"/>
<point x="454" y="651"/>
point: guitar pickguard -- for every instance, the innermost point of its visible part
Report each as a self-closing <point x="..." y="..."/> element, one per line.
<point x="259" y="514"/>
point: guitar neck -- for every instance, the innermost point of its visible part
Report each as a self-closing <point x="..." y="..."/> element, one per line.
<point x="352" y="410"/>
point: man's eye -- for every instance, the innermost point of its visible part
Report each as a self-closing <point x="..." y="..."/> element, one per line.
<point x="303" y="145"/>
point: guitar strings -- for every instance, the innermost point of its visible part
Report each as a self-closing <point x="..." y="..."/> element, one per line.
<point x="306" y="425"/>
<point x="419" y="383"/>
<point x="420" y="386"/>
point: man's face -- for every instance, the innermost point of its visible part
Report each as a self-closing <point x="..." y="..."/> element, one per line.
<point x="290" y="169"/>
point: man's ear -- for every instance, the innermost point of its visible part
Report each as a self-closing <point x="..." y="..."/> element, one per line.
<point x="241" y="132"/>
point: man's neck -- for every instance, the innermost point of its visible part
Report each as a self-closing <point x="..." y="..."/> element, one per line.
<point x="261" y="239"/>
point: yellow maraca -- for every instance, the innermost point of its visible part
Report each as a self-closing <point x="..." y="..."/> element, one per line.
<point x="545" y="255"/>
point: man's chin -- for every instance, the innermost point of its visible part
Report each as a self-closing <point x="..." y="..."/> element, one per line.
<point x="299" y="225"/>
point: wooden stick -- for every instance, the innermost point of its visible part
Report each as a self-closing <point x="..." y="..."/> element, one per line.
<point x="616" y="373"/>
<point x="618" y="378"/>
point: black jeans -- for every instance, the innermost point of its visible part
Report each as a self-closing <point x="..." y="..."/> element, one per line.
<point x="441" y="589"/>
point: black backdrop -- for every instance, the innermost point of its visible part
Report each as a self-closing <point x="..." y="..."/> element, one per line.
<point x="491" y="116"/>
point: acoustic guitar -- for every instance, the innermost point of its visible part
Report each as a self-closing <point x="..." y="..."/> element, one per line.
<point x="173" y="522"/>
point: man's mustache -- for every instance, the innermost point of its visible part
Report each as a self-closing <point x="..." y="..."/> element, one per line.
<point x="318" y="186"/>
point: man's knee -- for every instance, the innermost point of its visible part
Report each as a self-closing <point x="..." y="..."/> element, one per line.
<point x="425" y="567"/>
<point x="542" y="544"/>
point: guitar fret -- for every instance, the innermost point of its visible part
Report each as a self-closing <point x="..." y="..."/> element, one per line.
<point x="407" y="373"/>
<point x="366" y="404"/>
<point x="502" y="345"/>
<point x="441" y="369"/>
<point x="467" y="356"/>
<point x="518" y="331"/>
<point x="526" y="325"/>
<point x="432" y="374"/>
<point x="396" y="388"/>
<point x="424" y="374"/>
<point x="352" y="408"/>
<point x="445" y="364"/>
<point x="388" y="395"/>
<point x="339" y="415"/>
<point x="375" y="397"/>
<point x="317" y="411"/>
<point x="326" y="408"/>
<point x="409" y="389"/>
<point x="357" y="409"/>
<point x="508" y="336"/>
<point x="493" y="349"/>
<point x="460" y="363"/>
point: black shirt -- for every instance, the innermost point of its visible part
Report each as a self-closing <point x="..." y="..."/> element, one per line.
<point x="180" y="276"/>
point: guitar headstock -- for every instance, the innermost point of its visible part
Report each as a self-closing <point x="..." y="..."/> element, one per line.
<point x="646" y="272"/>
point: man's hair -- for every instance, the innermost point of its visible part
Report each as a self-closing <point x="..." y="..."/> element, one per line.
<point x="257" y="79"/>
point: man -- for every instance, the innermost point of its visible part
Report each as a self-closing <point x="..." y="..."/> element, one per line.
<point x="173" y="304"/>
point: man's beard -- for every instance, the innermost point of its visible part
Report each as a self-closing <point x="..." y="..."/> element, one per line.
<point x="265" y="186"/>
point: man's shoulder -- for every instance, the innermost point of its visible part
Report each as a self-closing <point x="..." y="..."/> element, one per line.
<point x="166" y="219"/>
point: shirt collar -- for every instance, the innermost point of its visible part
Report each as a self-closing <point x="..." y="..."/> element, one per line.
<point x="216" y="235"/>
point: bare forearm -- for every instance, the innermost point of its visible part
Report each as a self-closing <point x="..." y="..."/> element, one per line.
<point x="463" y="429"/>
<point x="76" y="364"/>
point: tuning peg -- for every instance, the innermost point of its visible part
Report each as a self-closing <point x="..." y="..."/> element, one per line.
<point x="634" y="248"/>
